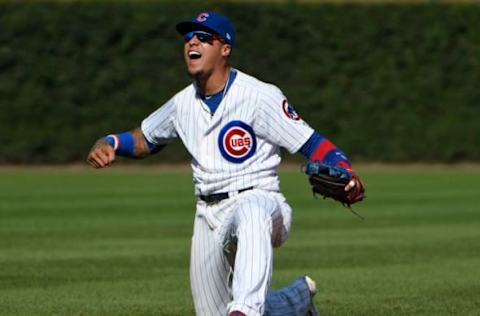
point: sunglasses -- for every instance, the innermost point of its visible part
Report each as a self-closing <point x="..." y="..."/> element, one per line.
<point x="202" y="36"/>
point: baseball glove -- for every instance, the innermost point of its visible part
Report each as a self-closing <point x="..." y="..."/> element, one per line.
<point x="330" y="181"/>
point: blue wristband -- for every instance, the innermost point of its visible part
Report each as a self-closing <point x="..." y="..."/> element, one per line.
<point x="123" y="144"/>
<point x="111" y="141"/>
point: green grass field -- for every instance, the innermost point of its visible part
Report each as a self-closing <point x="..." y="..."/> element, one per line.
<point x="116" y="242"/>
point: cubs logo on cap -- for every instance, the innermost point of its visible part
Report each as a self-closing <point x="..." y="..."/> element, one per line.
<point x="202" y="17"/>
<point x="289" y="111"/>
<point x="237" y="141"/>
<point x="210" y="22"/>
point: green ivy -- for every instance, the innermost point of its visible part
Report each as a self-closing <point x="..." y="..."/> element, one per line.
<point x="384" y="82"/>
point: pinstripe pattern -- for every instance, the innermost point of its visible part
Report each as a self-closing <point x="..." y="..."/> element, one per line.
<point x="246" y="227"/>
<point x="209" y="271"/>
<point x="253" y="226"/>
<point x="249" y="100"/>
<point x="243" y="228"/>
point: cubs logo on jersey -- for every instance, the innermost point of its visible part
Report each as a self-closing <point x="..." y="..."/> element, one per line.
<point x="289" y="111"/>
<point x="237" y="141"/>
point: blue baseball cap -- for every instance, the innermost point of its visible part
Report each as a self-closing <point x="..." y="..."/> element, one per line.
<point x="210" y="22"/>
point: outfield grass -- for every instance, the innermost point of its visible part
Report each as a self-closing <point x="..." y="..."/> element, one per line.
<point x="117" y="243"/>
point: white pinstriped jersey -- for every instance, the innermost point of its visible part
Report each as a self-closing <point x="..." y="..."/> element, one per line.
<point x="239" y="145"/>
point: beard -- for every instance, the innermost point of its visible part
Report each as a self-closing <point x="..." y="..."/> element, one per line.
<point x="200" y="74"/>
<point x="195" y="74"/>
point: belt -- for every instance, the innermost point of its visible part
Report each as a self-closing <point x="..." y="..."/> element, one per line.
<point x="217" y="197"/>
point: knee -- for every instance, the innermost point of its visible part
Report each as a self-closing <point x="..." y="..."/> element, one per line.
<point x="253" y="216"/>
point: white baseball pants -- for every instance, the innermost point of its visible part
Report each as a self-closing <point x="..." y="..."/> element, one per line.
<point x="232" y="248"/>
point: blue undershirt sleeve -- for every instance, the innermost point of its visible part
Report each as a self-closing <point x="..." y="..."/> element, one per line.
<point x="311" y="145"/>
<point x="152" y="147"/>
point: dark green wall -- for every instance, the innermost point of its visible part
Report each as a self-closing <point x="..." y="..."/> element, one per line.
<point x="384" y="82"/>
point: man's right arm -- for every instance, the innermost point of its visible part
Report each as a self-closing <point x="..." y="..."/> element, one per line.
<point x="129" y="144"/>
<point x="155" y="132"/>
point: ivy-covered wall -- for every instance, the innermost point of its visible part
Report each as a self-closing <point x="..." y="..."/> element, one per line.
<point x="384" y="82"/>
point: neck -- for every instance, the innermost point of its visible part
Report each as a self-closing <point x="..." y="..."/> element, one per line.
<point x="213" y="83"/>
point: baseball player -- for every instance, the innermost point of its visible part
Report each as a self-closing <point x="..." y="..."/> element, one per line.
<point x="233" y="125"/>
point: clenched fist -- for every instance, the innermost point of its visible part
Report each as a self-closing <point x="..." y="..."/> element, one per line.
<point x="101" y="155"/>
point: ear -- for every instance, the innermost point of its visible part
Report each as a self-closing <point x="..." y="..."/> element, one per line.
<point x="226" y="50"/>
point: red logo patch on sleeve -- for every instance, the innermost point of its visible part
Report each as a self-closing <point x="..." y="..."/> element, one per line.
<point x="289" y="111"/>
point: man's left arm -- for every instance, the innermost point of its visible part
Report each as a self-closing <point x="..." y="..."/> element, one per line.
<point x="319" y="148"/>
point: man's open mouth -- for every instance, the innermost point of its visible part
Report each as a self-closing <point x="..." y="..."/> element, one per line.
<point x="194" y="54"/>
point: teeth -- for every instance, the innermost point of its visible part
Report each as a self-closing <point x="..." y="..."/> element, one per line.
<point x="194" y="54"/>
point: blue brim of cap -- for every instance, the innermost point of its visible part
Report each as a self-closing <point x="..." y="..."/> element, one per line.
<point x="189" y="26"/>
